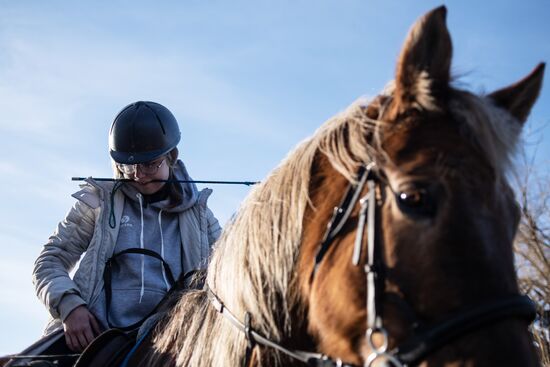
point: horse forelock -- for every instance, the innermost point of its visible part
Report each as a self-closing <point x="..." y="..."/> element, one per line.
<point x="493" y="130"/>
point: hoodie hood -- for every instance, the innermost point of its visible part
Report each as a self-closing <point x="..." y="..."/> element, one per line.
<point x="189" y="190"/>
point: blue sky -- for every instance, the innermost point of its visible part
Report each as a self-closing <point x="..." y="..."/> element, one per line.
<point x="247" y="81"/>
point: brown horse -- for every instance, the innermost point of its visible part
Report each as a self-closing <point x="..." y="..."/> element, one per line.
<point x="416" y="266"/>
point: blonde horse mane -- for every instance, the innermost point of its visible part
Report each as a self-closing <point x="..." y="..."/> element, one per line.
<point x="252" y="268"/>
<point x="253" y="262"/>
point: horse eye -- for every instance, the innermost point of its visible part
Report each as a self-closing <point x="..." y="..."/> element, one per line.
<point x="412" y="199"/>
<point x="417" y="202"/>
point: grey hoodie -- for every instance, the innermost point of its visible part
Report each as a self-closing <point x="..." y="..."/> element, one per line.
<point x="139" y="282"/>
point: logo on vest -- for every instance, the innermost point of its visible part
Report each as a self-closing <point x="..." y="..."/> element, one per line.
<point x="125" y="221"/>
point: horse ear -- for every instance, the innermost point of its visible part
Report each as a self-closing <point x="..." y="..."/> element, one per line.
<point x="423" y="67"/>
<point x="518" y="98"/>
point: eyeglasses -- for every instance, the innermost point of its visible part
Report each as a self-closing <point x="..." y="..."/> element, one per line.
<point x="149" y="168"/>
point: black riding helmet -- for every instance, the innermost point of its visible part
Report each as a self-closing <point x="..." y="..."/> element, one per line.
<point x="141" y="132"/>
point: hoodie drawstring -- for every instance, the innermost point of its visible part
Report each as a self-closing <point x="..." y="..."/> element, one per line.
<point x="140" y="198"/>
<point x="162" y="251"/>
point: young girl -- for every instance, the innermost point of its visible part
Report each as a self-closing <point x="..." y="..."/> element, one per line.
<point x="136" y="237"/>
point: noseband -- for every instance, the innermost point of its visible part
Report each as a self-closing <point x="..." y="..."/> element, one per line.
<point x="426" y="339"/>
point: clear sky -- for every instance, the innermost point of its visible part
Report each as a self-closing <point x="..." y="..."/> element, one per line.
<point x="247" y="81"/>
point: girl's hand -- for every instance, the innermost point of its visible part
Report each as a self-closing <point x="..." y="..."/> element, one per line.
<point x="81" y="328"/>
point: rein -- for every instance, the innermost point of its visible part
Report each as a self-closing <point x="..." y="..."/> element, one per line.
<point x="254" y="338"/>
<point x="426" y="339"/>
<point x="107" y="281"/>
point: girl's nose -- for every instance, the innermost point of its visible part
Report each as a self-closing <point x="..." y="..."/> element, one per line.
<point x="138" y="173"/>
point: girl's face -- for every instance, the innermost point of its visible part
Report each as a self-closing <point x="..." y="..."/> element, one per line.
<point x="144" y="174"/>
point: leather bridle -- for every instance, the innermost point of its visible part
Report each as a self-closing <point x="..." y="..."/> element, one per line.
<point x="426" y="339"/>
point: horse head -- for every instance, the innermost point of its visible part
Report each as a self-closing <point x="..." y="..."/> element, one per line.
<point x="386" y="236"/>
<point x="443" y="220"/>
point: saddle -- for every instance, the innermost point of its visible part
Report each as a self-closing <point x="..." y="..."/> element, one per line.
<point x="109" y="349"/>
